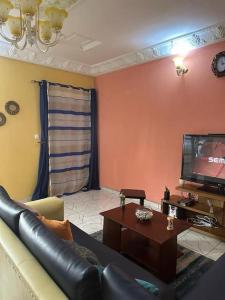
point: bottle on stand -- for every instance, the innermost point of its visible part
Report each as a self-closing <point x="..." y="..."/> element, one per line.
<point x="122" y="200"/>
<point x="166" y="193"/>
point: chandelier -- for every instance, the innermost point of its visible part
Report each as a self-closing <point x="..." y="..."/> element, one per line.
<point x="32" y="23"/>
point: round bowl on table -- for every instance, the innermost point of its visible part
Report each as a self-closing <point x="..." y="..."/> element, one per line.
<point x="143" y="214"/>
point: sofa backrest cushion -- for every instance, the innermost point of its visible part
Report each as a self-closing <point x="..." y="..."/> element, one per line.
<point x="78" y="279"/>
<point x="118" y="285"/>
<point x="9" y="210"/>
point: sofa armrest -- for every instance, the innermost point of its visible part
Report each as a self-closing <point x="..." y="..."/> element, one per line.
<point x="52" y="208"/>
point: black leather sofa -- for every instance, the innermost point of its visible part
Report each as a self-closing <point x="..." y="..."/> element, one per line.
<point x="78" y="279"/>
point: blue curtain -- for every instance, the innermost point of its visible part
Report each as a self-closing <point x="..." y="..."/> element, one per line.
<point x="93" y="182"/>
<point x="41" y="190"/>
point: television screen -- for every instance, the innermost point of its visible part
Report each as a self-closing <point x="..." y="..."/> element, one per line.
<point x="204" y="159"/>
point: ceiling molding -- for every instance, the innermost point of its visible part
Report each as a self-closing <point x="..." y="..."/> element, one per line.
<point x="198" y="39"/>
<point x="204" y="37"/>
<point x="36" y="57"/>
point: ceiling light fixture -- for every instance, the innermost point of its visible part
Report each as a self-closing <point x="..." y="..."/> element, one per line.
<point x="29" y="26"/>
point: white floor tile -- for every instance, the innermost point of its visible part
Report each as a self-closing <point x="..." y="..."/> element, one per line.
<point x="217" y="251"/>
<point x="182" y="234"/>
<point x="198" y="242"/>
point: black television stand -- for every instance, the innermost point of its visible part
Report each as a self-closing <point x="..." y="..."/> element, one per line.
<point x="200" y="207"/>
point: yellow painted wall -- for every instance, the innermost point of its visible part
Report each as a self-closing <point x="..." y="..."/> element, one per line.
<point x="19" y="153"/>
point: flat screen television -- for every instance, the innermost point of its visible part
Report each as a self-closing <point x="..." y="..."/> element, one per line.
<point x="203" y="160"/>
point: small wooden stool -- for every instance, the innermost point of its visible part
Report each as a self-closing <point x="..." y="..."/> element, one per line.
<point x="135" y="194"/>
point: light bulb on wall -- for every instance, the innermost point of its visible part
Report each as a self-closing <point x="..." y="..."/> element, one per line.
<point x="181" y="48"/>
<point x="179" y="64"/>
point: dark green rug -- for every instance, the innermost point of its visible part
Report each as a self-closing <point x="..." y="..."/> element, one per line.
<point x="190" y="268"/>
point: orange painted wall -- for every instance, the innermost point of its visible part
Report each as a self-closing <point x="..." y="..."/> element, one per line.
<point x="143" y="113"/>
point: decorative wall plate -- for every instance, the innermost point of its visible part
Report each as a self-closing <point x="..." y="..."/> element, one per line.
<point x="2" y="119"/>
<point x="12" y="107"/>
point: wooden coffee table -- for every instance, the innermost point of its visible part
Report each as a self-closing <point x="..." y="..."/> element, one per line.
<point x="149" y="244"/>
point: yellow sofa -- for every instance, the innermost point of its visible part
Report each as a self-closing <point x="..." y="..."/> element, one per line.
<point x="21" y="275"/>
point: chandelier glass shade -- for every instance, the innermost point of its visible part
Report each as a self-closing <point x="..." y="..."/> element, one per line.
<point x="22" y="24"/>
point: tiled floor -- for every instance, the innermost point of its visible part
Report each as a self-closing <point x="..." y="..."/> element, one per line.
<point x="83" y="209"/>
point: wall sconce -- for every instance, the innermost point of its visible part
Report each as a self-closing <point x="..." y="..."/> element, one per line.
<point x="179" y="64"/>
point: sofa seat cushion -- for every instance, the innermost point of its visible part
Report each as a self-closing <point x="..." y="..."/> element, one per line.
<point x="118" y="285"/>
<point x="107" y="256"/>
<point x="77" y="278"/>
<point x="9" y="210"/>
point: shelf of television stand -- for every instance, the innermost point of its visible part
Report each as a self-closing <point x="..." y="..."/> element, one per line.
<point x="191" y="188"/>
<point x="199" y="208"/>
<point x="213" y="232"/>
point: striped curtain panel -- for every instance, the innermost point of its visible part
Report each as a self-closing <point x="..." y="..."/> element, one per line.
<point x="69" y="136"/>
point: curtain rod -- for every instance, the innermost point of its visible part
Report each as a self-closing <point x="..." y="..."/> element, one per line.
<point x="35" y="81"/>
<point x="63" y="85"/>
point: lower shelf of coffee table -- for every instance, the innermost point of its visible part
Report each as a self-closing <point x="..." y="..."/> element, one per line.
<point x="139" y="249"/>
<point x="150" y="254"/>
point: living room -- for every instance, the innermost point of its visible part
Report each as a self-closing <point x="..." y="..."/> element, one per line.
<point x="146" y="103"/>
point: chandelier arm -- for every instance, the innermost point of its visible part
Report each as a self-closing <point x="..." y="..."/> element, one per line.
<point x="39" y="48"/>
<point x="39" y="42"/>
<point x="18" y="46"/>
<point x="47" y="45"/>
<point x="57" y="37"/>
<point x="2" y="34"/>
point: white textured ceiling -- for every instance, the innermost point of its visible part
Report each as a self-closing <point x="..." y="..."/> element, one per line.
<point x="124" y="28"/>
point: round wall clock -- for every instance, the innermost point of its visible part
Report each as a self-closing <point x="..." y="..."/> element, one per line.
<point x="218" y="64"/>
<point x="2" y="119"/>
<point x="12" y="107"/>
